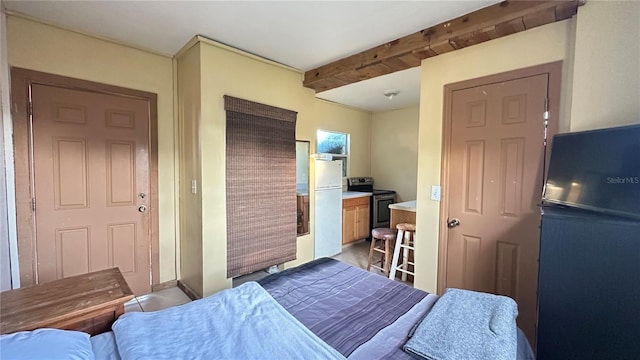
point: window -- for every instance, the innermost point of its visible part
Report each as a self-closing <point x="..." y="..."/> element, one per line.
<point x="336" y="144"/>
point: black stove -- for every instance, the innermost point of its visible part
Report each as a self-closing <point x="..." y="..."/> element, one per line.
<point x="379" y="213"/>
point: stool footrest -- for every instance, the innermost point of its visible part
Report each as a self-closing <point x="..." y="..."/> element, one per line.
<point x="404" y="265"/>
<point x="405" y="271"/>
<point x="377" y="267"/>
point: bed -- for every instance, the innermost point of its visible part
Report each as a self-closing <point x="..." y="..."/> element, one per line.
<point x="325" y="309"/>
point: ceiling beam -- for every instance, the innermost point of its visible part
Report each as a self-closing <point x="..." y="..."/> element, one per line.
<point x="502" y="19"/>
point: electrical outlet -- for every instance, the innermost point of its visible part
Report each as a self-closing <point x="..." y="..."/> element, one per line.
<point x="435" y="192"/>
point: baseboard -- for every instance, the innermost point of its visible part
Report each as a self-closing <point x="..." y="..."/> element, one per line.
<point x="188" y="291"/>
<point x="164" y="285"/>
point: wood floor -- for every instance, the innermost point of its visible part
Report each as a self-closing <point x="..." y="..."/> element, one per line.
<point x="356" y="254"/>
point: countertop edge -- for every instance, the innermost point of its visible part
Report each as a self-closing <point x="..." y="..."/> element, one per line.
<point x="406" y="206"/>
<point x="354" y="194"/>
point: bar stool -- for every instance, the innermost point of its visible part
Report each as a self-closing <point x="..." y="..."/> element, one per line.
<point x="385" y="235"/>
<point x="405" y="241"/>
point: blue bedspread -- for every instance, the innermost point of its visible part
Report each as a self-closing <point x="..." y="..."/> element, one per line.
<point x="240" y="323"/>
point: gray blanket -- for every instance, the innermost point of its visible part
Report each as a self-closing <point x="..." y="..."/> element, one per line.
<point x="467" y="325"/>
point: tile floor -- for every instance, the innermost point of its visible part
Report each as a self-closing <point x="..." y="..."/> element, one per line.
<point x="157" y="300"/>
<point x="356" y="254"/>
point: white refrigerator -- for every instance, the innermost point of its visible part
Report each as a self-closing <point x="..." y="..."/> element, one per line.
<point x="328" y="206"/>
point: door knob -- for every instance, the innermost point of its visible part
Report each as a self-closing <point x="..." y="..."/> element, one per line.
<point x="451" y="223"/>
<point x="142" y="208"/>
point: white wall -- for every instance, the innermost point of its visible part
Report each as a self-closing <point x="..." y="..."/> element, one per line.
<point x="394" y="151"/>
<point x="8" y="240"/>
<point x="5" y="256"/>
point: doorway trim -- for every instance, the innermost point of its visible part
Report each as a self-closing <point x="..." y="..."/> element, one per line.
<point x="21" y="82"/>
<point x="554" y="71"/>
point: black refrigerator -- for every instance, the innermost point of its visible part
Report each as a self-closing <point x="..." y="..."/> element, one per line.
<point x="589" y="264"/>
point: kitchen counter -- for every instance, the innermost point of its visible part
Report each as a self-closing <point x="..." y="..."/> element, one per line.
<point x="406" y="206"/>
<point x="354" y="194"/>
<point x="404" y="212"/>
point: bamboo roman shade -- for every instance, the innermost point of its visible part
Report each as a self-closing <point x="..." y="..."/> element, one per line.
<point x="261" y="186"/>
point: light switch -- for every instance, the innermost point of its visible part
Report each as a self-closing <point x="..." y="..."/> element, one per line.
<point x="435" y="192"/>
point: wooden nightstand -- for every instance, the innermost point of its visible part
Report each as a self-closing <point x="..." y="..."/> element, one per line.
<point x="88" y="302"/>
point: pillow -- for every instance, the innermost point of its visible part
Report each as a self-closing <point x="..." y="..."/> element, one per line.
<point x="52" y="344"/>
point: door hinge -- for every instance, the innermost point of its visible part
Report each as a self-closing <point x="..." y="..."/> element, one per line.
<point x="546" y="109"/>
<point x="33" y="204"/>
<point x="545" y="116"/>
<point x="30" y="108"/>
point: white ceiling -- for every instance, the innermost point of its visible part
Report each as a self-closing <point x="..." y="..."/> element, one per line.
<point x="301" y="34"/>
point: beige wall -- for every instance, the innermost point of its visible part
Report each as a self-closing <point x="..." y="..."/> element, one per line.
<point x="190" y="205"/>
<point x="601" y="85"/>
<point x="394" y="151"/>
<point x="607" y="67"/>
<point x="36" y="46"/>
<point x="334" y="117"/>
<point x="541" y="45"/>
<point x="41" y="47"/>
<point x="228" y="72"/>
<point x="600" y="88"/>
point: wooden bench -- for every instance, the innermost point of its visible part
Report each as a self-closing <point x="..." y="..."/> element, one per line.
<point x="88" y="302"/>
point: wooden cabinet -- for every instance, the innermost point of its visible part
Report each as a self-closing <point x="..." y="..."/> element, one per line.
<point x="355" y="219"/>
<point x="402" y="216"/>
<point x="88" y="302"/>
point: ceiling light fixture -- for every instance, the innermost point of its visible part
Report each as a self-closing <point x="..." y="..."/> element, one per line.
<point x="391" y="93"/>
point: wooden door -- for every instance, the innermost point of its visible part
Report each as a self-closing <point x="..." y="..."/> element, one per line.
<point x="91" y="184"/>
<point x="495" y="172"/>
